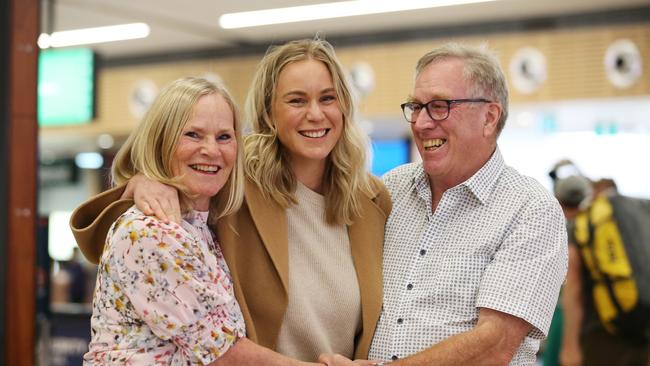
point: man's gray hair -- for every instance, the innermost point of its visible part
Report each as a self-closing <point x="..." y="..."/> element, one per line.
<point x="482" y="72"/>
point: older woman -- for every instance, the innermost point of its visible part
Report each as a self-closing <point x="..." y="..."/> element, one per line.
<point x="164" y="295"/>
<point x="305" y="249"/>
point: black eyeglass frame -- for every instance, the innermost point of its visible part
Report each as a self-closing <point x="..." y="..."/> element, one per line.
<point x="449" y="102"/>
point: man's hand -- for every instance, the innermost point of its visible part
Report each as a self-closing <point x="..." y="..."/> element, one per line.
<point x="332" y="359"/>
<point x="154" y="198"/>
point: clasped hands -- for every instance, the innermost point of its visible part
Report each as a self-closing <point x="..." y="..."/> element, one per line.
<point x="333" y="359"/>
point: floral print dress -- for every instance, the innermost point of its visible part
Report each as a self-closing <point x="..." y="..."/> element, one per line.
<point x="163" y="295"/>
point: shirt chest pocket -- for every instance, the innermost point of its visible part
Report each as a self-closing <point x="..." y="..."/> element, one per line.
<point x="458" y="280"/>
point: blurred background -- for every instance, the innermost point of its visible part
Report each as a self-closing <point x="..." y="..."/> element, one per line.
<point x="578" y="72"/>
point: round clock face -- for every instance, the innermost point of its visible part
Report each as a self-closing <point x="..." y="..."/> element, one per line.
<point x="213" y="78"/>
<point x="623" y="63"/>
<point x="362" y="77"/>
<point x="528" y="70"/>
<point x="141" y="96"/>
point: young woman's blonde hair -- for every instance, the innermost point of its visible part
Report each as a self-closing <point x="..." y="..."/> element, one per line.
<point x="150" y="148"/>
<point x="267" y="163"/>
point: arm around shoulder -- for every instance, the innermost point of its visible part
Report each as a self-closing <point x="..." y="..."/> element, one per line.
<point x="92" y="219"/>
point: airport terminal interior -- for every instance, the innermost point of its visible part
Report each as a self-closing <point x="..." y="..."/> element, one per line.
<point x="577" y="70"/>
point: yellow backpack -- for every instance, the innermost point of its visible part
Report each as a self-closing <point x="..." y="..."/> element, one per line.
<point x="614" y="240"/>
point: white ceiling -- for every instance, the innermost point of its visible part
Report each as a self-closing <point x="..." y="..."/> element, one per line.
<point x="178" y="25"/>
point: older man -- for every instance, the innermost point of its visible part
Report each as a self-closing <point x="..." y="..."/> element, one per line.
<point x="474" y="252"/>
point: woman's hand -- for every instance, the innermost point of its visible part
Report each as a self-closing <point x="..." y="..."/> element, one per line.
<point x="331" y="359"/>
<point x="154" y="198"/>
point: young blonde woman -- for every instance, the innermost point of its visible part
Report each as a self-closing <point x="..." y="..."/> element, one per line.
<point x="305" y="249"/>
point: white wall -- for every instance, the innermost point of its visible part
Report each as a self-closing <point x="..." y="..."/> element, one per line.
<point x="604" y="138"/>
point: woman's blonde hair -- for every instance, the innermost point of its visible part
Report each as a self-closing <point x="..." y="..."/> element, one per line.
<point x="150" y="148"/>
<point x="267" y="161"/>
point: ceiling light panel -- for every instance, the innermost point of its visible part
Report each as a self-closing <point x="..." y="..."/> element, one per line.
<point x="329" y="11"/>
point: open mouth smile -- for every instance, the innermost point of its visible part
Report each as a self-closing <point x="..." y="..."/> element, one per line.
<point x="433" y="144"/>
<point x="203" y="168"/>
<point x="314" y="134"/>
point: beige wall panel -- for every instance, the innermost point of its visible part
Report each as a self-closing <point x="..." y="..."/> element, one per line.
<point x="575" y="60"/>
<point x="393" y="71"/>
<point x="575" y="65"/>
<point x="115" y="85"/>
<point x="394" y="67"/>
<point x="575" y="70"/>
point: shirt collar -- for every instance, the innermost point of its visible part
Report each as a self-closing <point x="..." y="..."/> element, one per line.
<point x="483" y="181"/>
<point x="480" y="184"/>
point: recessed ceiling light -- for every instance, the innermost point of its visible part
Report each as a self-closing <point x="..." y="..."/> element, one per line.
<point x="329" y="10"/>
<point x="83" y="36"/>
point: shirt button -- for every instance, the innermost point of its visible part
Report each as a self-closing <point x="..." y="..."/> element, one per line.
<point x="423" y="251"/>
<point x="400" y="321"/>
<point x="394" y="357"/>
<point x="409" y="286"/>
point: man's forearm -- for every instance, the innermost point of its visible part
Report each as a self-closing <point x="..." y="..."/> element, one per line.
<point x="479" y="347"/>
<point x="493" y="341"/>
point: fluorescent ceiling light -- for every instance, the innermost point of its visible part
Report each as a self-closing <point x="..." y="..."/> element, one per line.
<point x="94" y="35"/>
<point x="330" y="10"/>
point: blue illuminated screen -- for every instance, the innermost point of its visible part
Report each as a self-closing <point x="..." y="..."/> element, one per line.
<point x="387" y="154"/>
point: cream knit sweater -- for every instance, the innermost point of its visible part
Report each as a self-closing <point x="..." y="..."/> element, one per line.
<point x="324" y="311"/>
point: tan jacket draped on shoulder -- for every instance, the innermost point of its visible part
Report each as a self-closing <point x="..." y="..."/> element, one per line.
<point x="255" y="246"/>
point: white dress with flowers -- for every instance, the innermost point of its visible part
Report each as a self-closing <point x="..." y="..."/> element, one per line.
<point x="163" y="295"/>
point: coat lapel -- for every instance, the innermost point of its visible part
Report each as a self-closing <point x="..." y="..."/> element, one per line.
<point x="366" y="242"/>
<point x="271" y="223"/>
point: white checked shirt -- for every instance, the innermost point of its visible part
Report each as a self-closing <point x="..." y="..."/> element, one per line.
<point x="497" y="240"/>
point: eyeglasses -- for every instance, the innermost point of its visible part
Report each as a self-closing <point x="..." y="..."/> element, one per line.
<point x="437" y="109"/>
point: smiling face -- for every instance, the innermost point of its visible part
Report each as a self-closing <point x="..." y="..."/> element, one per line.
<point x="207" y="150"/>
<point x="307" y="114"/>
<point x="454" y="149"/>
